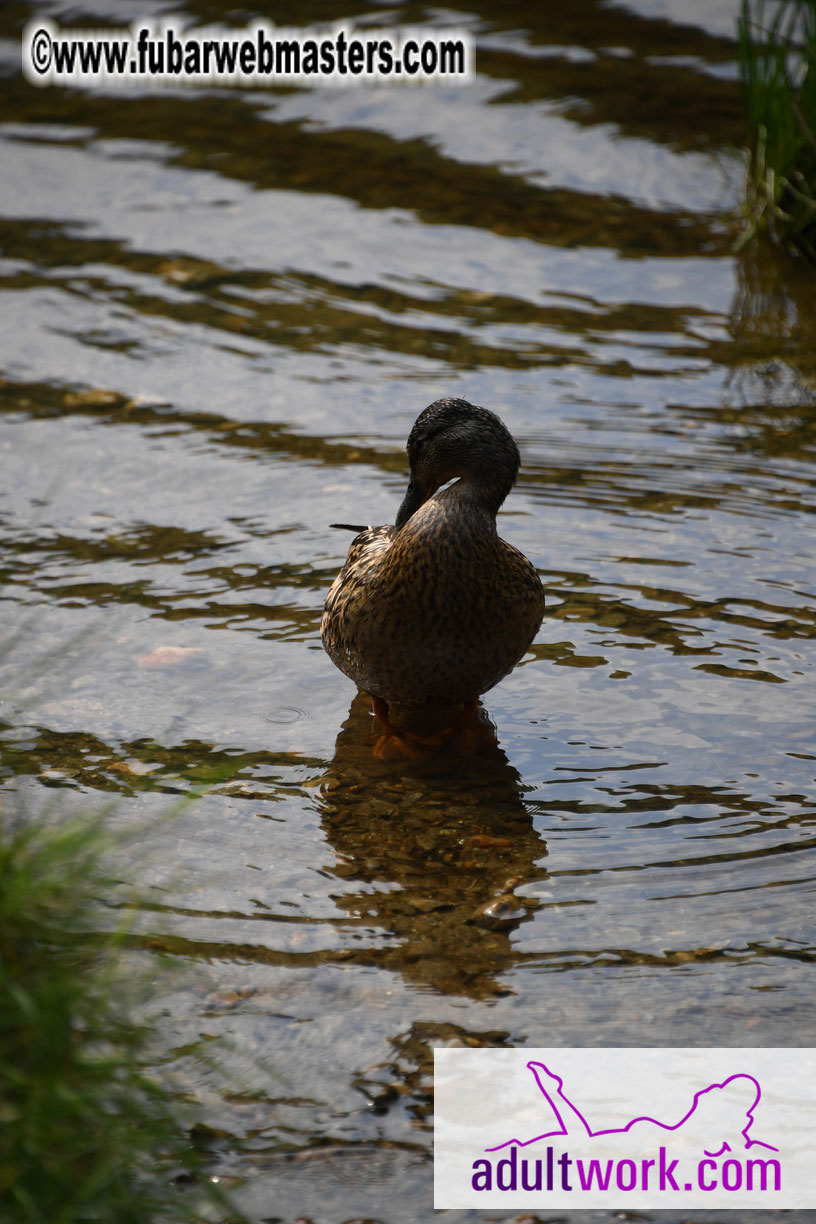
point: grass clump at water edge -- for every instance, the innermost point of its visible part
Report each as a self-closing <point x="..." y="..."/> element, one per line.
<point x="777" y="56"/>
<point x="85" y="1133"/>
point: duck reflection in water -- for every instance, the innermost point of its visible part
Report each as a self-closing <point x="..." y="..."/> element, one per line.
<point x="434" y="851"/>
<point x="430" y="613"/>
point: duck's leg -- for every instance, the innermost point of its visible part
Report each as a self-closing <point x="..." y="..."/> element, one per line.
<point x="379" y="709"/>
<point x="465" y="730"/>
<point x="394" y="743"/>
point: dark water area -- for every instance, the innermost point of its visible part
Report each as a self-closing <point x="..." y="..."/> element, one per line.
<point x="222" y="310"/>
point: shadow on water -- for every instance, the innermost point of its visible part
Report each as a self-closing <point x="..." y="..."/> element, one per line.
<point x="438" y="851"/>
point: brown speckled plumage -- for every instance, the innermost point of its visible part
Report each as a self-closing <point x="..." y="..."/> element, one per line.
<point x="437" y="609"/>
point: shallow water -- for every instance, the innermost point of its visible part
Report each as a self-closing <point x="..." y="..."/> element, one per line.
<point x="223" y="311"/>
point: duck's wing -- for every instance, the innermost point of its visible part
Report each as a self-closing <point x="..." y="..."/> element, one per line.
<point x="347" y="603"/>
<point x="367" y="547"/>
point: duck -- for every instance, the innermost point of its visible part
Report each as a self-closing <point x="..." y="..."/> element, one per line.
<point x="432" y="611"/>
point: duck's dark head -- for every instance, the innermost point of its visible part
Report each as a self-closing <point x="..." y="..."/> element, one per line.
<point x="454" y="438"/>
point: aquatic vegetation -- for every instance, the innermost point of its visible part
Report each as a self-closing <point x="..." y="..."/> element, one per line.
<point x="85" y="1132"/>
<point x="777" y="55"/>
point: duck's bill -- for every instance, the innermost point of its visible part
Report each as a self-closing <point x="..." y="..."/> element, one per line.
<point x="416" y="495"/>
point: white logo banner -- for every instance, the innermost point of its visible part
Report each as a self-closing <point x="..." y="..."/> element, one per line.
<point x="625" y="1128"/>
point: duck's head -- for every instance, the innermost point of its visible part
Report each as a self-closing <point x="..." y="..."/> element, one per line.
<point x="454" y="438"/>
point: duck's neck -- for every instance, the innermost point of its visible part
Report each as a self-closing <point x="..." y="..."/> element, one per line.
<point x="480" y="494"/>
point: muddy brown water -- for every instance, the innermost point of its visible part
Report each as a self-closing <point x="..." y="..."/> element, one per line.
<point x="223" y="310"/>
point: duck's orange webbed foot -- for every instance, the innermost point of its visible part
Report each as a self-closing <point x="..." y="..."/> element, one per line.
<point x="397" y="743"/>
<point x="464" y="730"/>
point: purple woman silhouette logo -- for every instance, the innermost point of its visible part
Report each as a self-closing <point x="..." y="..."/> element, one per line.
<point x="718" y="1120"/>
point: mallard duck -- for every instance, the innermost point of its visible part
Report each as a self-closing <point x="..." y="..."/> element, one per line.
<point x="437" y="609"/>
